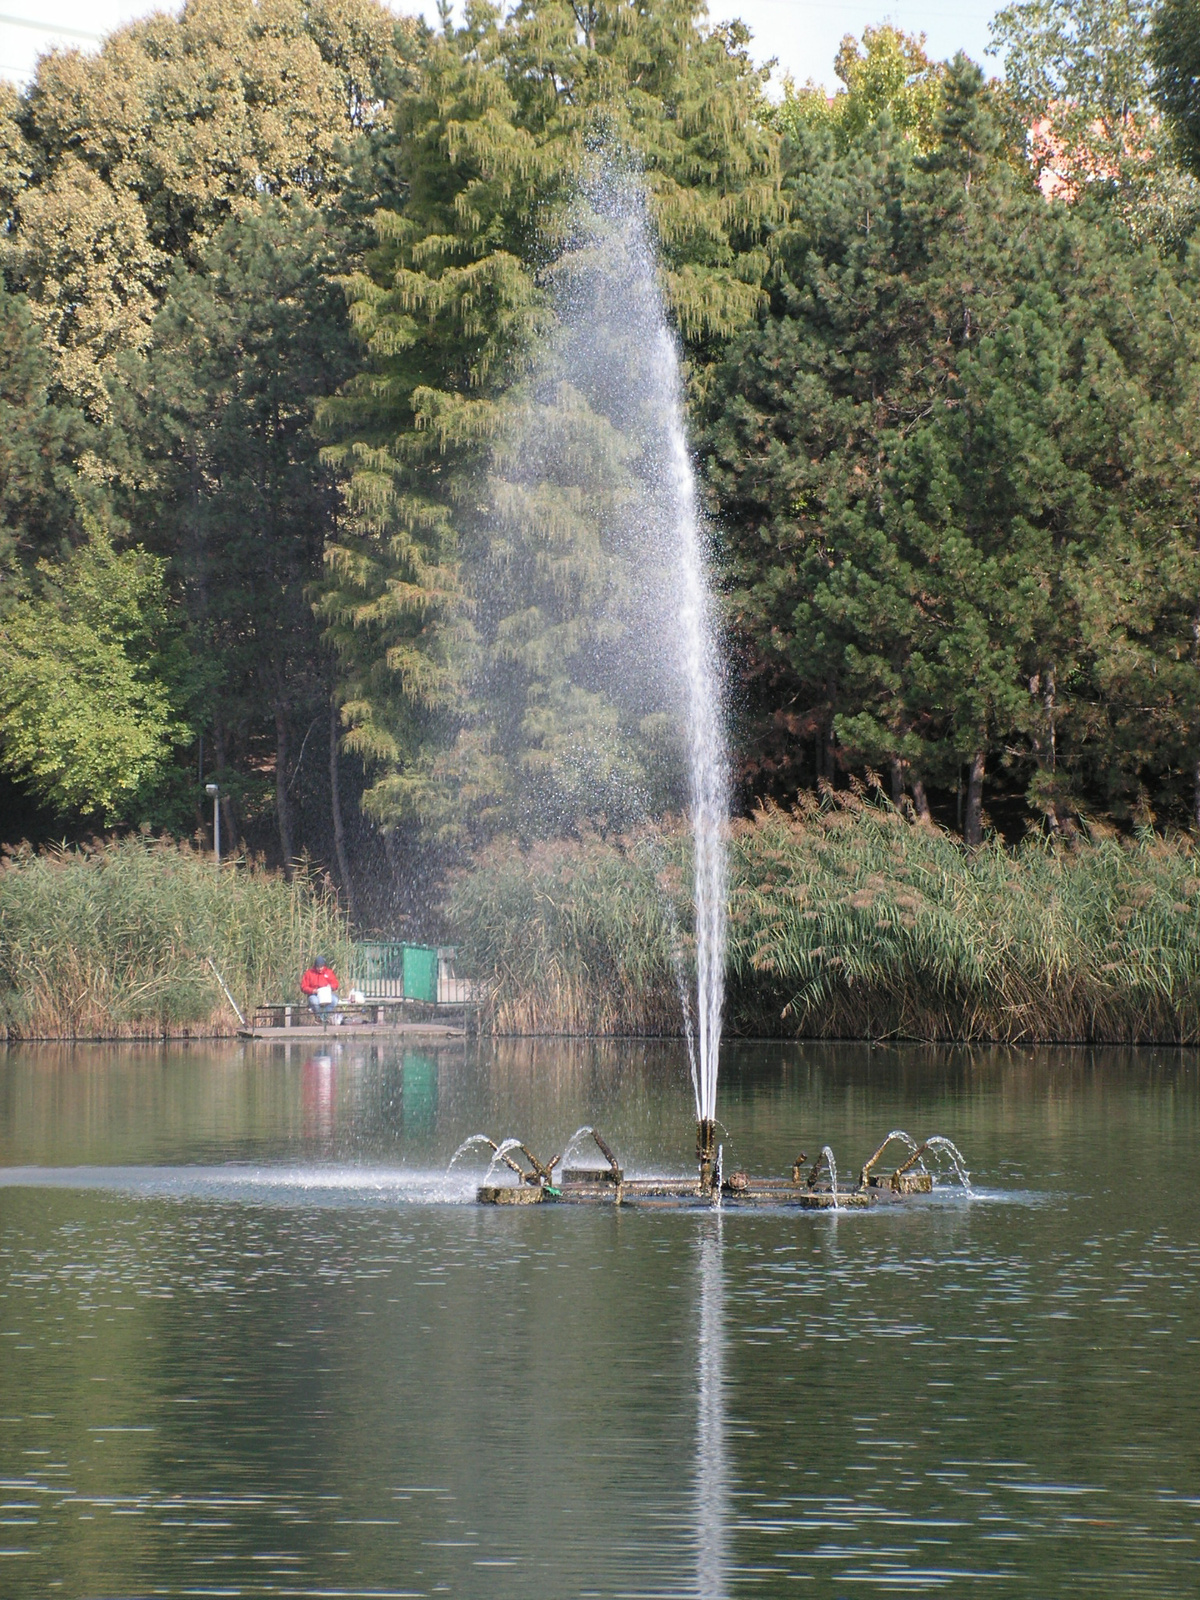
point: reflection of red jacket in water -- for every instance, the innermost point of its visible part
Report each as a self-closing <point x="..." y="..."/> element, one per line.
<point x="317" y="978"/>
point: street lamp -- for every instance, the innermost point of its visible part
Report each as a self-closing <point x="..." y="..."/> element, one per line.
<point x="214" y="789"/>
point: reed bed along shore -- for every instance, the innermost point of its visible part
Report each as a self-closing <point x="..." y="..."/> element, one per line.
<point x="847" y="921"/>
<point x="112" y="941"/>
<point x="573" y="938"/>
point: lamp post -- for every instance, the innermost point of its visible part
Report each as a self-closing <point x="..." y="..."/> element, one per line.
<point x="214" y="789"/>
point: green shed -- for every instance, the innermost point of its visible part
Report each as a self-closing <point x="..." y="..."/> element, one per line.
<point x="420" y="972"/>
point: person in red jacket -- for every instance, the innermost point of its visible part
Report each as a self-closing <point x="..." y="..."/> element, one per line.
<point x="320" y="984"/>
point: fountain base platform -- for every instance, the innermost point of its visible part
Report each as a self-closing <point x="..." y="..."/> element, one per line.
<point x="814" y="1189"/>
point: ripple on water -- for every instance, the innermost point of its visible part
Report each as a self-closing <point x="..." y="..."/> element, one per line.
<point x="281" y="1376"/>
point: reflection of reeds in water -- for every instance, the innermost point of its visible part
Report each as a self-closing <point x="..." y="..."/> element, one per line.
<point x="111" y="941"/>
<point x="847" y="921"/>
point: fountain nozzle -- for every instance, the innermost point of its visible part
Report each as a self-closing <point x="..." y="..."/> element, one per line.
<point x="706" y="1154"/>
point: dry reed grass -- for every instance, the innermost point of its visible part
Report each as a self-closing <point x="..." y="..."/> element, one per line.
<point x="846" y="921"/>
<point x="571" y="937"/>
<point x="110" y="941"/>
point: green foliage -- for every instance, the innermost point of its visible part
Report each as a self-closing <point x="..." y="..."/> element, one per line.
<point x="952" y="437"/>
<point x="41" y="442"/>
<point x="1175" y="55"/>
<point x="847" y="921"/>
<point x="949" y="424"/>
<point x="118" y="163"/>
<point x="173" y="220"/>
<point x="113" y="941"/>
<point x="1088" y="55"/>
<point x="246" y="342"/>
<point x="887" y="74"/>
<point x="90" y="675"/>
<point x="1078" y="76"/>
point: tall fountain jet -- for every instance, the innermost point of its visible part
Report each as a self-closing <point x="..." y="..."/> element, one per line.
<point x="622" y="236"/>
<point x="708" y="767"/>
<point x="601" y="445"/>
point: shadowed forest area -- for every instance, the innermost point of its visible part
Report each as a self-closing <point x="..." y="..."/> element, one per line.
<point x="273" y="279"/>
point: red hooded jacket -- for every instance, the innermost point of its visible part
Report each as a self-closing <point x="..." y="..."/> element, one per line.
<point x="316" y="978"/>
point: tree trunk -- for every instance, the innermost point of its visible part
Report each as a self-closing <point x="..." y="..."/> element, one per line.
<point x="920" y="801"/>
<point x="897" y="781"/>
<point x="830" y="737"/>
<point x="283" y="803"/>
<point x="234" y="843"/>
<point x="973" y="821"/>
<point x="335" y="800"/>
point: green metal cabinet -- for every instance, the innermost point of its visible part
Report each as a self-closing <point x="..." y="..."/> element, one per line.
<point x="420" y="972"/>
<point x="386" y="970"/>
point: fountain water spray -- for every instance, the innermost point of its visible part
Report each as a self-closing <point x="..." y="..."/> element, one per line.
<point x="958" y="1165"/>
<point x="708" y="763"/>
<point x="686" y="598"/>
<point x="649" y="646"/>
<point x="623" y="235"/>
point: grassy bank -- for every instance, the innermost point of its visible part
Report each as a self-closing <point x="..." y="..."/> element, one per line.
<point x="847" y="921"/>
<point x="112" y="941"/>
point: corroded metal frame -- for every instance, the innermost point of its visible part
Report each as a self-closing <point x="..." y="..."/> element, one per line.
<point x="805" y="1190"/>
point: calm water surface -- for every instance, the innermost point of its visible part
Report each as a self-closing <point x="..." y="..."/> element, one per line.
<point x="252" y="1341"/>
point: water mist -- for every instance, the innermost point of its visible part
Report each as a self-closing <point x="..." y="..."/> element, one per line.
<point x="708" y="765"/>
<point x="596" y="476"/>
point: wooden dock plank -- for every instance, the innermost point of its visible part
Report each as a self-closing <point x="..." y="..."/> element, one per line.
<point x="353" y="1030"/>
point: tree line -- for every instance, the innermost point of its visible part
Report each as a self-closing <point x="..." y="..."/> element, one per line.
<point x="273" y="280"/>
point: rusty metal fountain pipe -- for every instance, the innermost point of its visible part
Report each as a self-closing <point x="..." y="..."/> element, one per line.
<point x="706" y="1154"/>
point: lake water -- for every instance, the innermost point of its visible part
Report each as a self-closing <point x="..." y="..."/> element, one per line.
<point x="253" y="1342"/>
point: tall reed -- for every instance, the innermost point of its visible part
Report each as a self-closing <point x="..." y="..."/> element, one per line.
<point x="112" y="940"/>
<point x="572" y="937"/>
<point x="848" y="921"/>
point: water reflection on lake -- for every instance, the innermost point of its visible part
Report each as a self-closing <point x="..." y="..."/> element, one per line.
<point x="252" y="1342"/>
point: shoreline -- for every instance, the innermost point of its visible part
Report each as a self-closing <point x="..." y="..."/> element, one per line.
<point x="442" y="1033"/>
<point x="846" y="922"/>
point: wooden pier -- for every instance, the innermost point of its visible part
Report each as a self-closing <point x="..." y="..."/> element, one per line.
<point x="371" y="1019"/>
<point x="310" y="1033"/>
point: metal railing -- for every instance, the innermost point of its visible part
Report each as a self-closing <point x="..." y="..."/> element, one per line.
<point x="379" y="973"/>
<point x="378" y="970"/>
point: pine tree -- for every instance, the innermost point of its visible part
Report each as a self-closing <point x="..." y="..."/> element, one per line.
<point x="499" y="129"/>
<point x="931" y="458"/>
